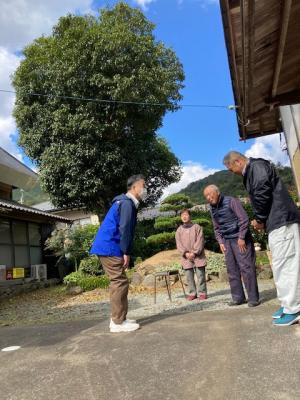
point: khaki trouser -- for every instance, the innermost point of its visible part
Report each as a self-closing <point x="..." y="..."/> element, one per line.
<point x="284" y="244"/>
<point x="113" y="266"/>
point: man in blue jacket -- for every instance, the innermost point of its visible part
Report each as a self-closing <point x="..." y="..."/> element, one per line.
<point x="113" y="245"/>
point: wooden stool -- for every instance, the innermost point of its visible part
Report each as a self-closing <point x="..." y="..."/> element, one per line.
<point x="166" y="275"/>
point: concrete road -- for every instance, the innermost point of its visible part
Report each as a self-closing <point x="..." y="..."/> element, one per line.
<point x="231" y="354"/>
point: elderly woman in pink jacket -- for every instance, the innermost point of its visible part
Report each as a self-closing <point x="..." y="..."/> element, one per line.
<point x="190" y="244"/>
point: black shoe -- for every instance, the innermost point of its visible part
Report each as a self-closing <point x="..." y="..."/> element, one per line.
<point x="236" y="303"/>
<point x="253" y="303"/>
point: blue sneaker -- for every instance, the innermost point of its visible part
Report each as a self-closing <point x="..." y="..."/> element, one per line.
<point x="278" y="314"/>
<point x="287" y="319"/>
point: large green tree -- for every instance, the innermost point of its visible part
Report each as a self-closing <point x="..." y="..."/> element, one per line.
<point x="84" y="149"/>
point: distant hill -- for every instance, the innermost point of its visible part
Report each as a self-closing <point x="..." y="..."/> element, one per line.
<point x="229" y="184"/>
<point x="34" y="196"/>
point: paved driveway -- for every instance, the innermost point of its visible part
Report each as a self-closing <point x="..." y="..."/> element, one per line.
<point x="211" y="355"/>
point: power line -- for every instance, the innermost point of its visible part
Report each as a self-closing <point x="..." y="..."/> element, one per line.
<point x="228" y="107"/>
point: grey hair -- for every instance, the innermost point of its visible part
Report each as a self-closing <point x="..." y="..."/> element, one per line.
<point x="232" y="156"/>
<point x="213" y="187"/>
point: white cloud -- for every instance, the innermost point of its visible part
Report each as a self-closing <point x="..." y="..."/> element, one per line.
<point x="21" y="21"/>
<point x="191" y="172"/>
<point x="144" y="3"/>
<point x="8" y="64"/>
<point x="271" y="148"/>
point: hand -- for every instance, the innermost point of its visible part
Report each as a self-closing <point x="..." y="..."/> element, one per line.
<point x="242" y="245"/>
<point x="191" y="256"/>
<point x="258" y="226"/>
<point x="126" y="261"/>
<point x="223" y="248"/>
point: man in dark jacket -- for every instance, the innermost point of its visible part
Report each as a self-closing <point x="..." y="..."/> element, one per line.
<point x="276" y="213"/>
<point x="113" y="245"/>
<point x="231" y="225"/>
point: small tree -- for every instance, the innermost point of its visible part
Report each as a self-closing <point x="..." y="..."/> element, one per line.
<point x="175" y="203"/>
<point x="72" y="243"/>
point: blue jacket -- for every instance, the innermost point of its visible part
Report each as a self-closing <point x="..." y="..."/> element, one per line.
<point x="115" y="235"/>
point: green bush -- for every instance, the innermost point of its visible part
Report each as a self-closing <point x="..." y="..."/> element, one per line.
<point x="161" y="238"/>
<point x="86" y="282"/>
<point x="258" y="237"/>
<point x="73" y="243"/>
<point x="175" y="202"/>
<point x="166" y="223"/>
<point x="202" y="222"/>
<point x="161" y="241"/>
<point x="262" y="259"/>
<point x="215" y="263"/>
<point x="91" y="266"/>
<point x="80" y="240"/>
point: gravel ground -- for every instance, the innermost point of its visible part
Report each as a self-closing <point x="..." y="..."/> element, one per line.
<point x="53" y="304"/>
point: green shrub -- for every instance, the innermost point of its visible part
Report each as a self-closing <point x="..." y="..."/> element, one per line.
<point x="86" y="282"/>
<point x="258" y="237"/>
<point x="161" y="238"/>
<point x="90" y="266"/>
<point x="73" y="243"/>
<point x="138" y="261"/>
<point x="215" y="262"/>
<point x="175" y="202"/>
<point x="202" y="222"/>
<point x="166" y="223"/>
<point x="262" y="259"/>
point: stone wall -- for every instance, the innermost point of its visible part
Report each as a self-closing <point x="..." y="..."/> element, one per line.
<point x="13" y="288"/>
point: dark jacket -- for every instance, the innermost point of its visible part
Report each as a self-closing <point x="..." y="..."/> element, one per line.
<point x="115" y="235"/>
<point x="229" y="222"/>
<point x="270" y="199"/>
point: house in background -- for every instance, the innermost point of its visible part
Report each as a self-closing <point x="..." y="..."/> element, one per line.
<point x="23" y="229"/>
<point x="78" y="216"/>
<point x="263" y="41"/>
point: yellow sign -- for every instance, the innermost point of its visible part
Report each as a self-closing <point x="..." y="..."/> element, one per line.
<point x="18" y="273"/>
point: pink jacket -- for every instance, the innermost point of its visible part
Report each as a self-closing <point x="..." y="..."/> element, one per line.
<point x="190" y="238"/>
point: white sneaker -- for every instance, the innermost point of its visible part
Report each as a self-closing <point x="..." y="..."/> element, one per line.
<point x="124" y="327"/>
<point x="130" y="321"/>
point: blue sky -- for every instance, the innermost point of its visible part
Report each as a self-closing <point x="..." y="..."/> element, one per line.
<point x="198" y="136"/>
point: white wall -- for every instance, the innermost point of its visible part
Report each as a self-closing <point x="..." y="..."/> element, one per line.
<point x="290" y="118"/>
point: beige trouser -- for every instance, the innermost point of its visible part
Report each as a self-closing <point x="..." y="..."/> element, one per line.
<point x="284" y="244"/>
<point x="113" y="266"/>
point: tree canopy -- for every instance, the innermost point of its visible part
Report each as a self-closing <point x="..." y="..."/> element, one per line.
<point x="85" y="149"/>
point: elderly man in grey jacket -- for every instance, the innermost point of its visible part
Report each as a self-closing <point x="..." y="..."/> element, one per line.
<point x="231" y="225"/>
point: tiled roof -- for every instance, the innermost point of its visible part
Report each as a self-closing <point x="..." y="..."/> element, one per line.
<point x="21" y="207"/>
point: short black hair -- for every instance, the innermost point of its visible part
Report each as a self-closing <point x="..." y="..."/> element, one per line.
<point x="185" y="210"/>
<point x="134" y="178"/>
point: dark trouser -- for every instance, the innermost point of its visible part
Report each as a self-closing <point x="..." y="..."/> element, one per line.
<point x="241" y="265"/>
<point x="118" y="289"/>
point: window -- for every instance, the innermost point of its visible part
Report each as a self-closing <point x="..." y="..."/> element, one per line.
<point x="35" y="255"/>
<point x="6" y="256"/>
<point x="34" y="235"/>
<point x="20" y="244"/>
<point x="5" y="236"/>
<point x="21" y="256"/>
<point x="19" y="232"/>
